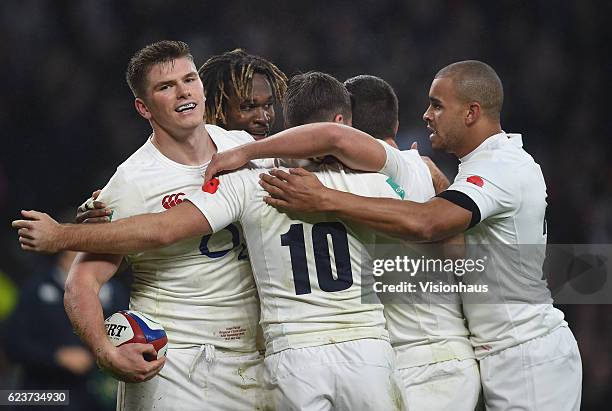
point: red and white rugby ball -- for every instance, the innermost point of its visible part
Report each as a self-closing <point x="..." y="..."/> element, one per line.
<point x="126" y="327"/>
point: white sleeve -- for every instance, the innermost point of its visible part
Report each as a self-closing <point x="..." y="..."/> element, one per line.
<point x="408" y="169"/>
<point x="241" y="136"/>
<point x="264" y="162"/>
<point x="492" y="192"/>
<point x="122" y="196"/>
<point x="224" y="206"/>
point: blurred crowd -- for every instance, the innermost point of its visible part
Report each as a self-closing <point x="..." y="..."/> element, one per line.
<point x="67" y="115"/>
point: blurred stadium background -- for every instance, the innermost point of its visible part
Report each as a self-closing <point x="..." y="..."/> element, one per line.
<point x="67" y="115"/>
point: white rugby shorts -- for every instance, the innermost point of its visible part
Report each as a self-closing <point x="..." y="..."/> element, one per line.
<point x="540" y="374"/>
<point x="447" y="385"/>
<point x="199" y="378"/>
<point x="355" y="375"/>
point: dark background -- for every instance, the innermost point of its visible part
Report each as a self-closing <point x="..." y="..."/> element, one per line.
<point x="67" y="115"/>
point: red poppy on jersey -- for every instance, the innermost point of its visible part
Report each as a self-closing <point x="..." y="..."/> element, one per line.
<point x="211" y="185"/>
<point x="475" y="180"/>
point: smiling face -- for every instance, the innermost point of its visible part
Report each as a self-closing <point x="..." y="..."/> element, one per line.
<point x="174" y="97"/>
<point x="255" y="115"/>
<point x="445" y="115"/>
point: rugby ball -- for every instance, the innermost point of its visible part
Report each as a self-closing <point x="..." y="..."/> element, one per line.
<point x="127" y="327"/>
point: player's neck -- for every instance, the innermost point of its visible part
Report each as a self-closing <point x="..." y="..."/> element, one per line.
<point x="193" y="149"/>
<point x="476" y="137"/>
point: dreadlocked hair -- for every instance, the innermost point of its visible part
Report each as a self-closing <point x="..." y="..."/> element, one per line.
<point x="234" y="70"/>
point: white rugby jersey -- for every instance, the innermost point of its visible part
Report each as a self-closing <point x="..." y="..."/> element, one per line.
<point x="407" y="168"/>
<point x="422" y="333"/>
<point x="201" y="289"/>
<point x="508" y="189"/>
<point x="307" y="267"/>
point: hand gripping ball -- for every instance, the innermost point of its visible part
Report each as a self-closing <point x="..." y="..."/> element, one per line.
<point x="127" y="327"/>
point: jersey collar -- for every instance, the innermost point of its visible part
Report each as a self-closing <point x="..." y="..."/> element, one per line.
<point x="494" y="141"/>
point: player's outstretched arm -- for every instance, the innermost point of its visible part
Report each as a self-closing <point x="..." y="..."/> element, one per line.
<point x="354" y="148"/>
<point x="301" y="191"/>
<point x="39" y="232"/>
<point x="88" y="274"/>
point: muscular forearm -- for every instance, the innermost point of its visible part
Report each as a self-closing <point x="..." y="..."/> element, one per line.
<point x="130" y="235"/>
<point x="81" y="300"/>
<point x="137" y="233"/>
<point x="417" y="222"/>
<point x="381" y="214"/>
<point x="87" y="275"/>
<point x="41" y="233"/>
<point x="354" y="148"/>
<point x="85" y="313"/>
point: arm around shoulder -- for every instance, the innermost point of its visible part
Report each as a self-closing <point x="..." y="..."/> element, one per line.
<point x="432" y="221"/>
<point x="355" y="148"/>
<point x="138" y="233"/>
<point x="441" y="220"/>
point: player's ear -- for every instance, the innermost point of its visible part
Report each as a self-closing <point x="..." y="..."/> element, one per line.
<point x="473" y="113"/>
<point x="339" y="118"/>
<point x="142" y="108"/>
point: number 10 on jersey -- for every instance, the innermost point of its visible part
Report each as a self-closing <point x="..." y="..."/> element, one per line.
<point x="294" y="239"/>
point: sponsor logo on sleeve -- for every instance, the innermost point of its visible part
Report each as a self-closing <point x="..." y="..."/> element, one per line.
<point x="398" y="190"/>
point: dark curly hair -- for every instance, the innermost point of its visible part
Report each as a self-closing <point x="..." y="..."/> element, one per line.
<point x="234" y="70"/>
